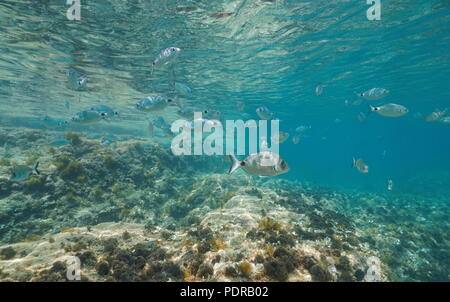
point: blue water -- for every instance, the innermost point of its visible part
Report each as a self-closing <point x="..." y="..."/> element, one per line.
<point x="272" y="53"/>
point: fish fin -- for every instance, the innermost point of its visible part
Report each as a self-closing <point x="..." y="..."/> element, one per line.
<point x="36" y="168"/>
<point x="235" y="163"/>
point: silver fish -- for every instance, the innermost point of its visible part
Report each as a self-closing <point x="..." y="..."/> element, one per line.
<point x="105" y="111"/>
<point x="59" y="142"/>
<point x="51" y="122"/>
<point x="389" y="110"/>
<point x="160" y="123"/>
<point x="86" y="117"/>
<point x="240" y="106"/>
<point x="165" y="56"/>
<point x="374" y="94"/>
<point x="262" y="164"/>
<point x="76" y="80"/>
<point x="186" y="112"/>
<point x="280" y="138"/>
<point x="360" y="165"/>
<point x="296" y="139"/>
<point x="183" y="89"/>
<point x="22" y="172"/>
<point x="264" y="113"/>
<point x="153" y="103"/>
<point x="319" y="90"/>
<point x="211" y="114"/>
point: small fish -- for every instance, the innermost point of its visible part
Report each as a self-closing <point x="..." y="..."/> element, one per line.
<point x="184" y="8"/>
<point x="59" y="142"/>
<point x="240" y="106"/>
<point x="360" y="165"/>
<point x="183" y="89"/>
<point x="390" y="184"/>
<point x="435" y="115"/>
<point x="296" y="139"/>
<point x="22" y="172"/>
<point x="165" y="56"/>
<point x="160" y="123"/>
<point x="191" y="125"/>
<point x="264" y="113"/>
<point x="186" y="112"/>
<point x="389" y="110"/>
<point x="105" y="111"/>
<point x="211" y="114"/>
<point x="373" y="94"/>
<point x="86" y="117"/>
<point x="319" y="90"/>
<point x="301" y="129"/>
<point x="262" y="164"/>
<point x="76" y="80"/>
<point x="222" y="15"/>
<point x="279" y="138"/>
<point x="153" y="103"/>
<point x="264" y="146"/>
<point x="51" y="122"/>
<point x="445" y="120"/>
<point x="361" y="117"/>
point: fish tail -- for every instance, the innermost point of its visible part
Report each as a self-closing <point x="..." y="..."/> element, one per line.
<point x="36" y="168"/>
<point x="235" y="163"/>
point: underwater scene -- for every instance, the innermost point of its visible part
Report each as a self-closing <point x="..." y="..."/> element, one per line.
<point x="207" y="140"/>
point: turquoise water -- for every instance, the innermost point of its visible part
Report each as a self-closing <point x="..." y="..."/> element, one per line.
<point x="262" y="53"/>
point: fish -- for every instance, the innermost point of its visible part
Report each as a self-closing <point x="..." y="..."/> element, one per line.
<point x="105" y="111"/>
<point x="165" y="56"/>
<point x="264" y="113"/>
<point x="373" y="94"/>
<point x="445" y="120"/>
<point x="211" y="114"/>
<point x="222" y="15"/>
<point x="153" y="103"/>
<point x="59" y="142"/>
<point x="319" y="90"/>
<point x="240" y="106"/>
<point x="360" y="165"/>
<point x="22" y="172"/>
<point x="203" y="122"/>
<point x="186" y="112"/>
<point x="279" y="138"/>
<point x="389" y="110"/>
<point x="435" y="115"/>
<point x="76" y="80"/>
<point x="181" y="88"/>
<point x="390" y="184"/>
<point x="301" y="129"/>
<point x="361" y="117"/>
<point x="160" y="123"/>
<point x="50" y="122"/>
<point x="296" y="139"/>
<point x="262" y="164"/>
<point x="86" y="117"/>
